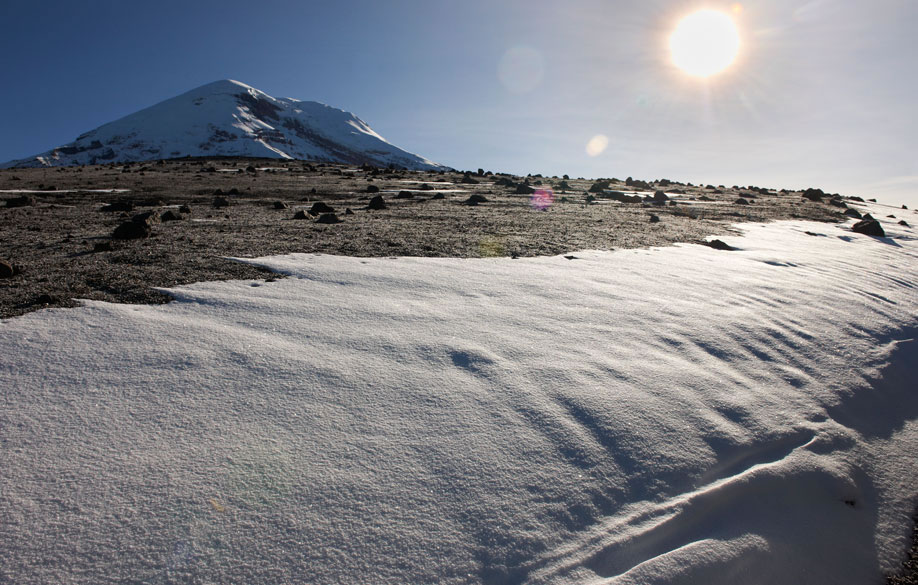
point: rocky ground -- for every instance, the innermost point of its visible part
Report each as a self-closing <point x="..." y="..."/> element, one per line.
<point x="113" y="232"/>
<point x="57" y="224"/>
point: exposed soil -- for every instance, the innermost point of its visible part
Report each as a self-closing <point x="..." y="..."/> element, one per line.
<point x="61" y="240"/>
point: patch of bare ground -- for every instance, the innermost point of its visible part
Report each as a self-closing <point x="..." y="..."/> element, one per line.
<point x="55" y="230"/>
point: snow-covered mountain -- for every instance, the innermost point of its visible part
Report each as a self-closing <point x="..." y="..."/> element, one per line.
<point x="230" y="118"/>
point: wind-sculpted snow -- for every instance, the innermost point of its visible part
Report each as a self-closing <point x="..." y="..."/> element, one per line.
<point x="678" y="415"/>
<point x="229" y="118"/>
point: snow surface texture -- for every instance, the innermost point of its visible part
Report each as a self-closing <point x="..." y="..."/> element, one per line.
<point x="676" y="415"/>
<point x="229" y="118"/>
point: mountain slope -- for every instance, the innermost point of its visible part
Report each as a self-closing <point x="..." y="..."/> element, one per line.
<point x="230" y="118"/>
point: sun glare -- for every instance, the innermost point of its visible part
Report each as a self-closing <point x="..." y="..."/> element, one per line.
<point x="704" y="43"/>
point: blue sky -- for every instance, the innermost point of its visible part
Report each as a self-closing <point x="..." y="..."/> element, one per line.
<point x="822" y="94"/>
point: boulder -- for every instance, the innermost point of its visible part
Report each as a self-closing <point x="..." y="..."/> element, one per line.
<point x="301" y="215"/>
<point x="328" y="218"/>
<point x="171" y="215"/>
<point x="118" y="206"/>
<point x="132" y="230"/>
<point x="405" y="195"/>
<point x="7" y="269"/>
<point x="280" y="205"/>
<point x="377" y="203"/>
<point x="184" y="209"/>
<point x="869" y="227"/>
<point x="904" y="223"/>
<point x="814" y="194"/>
<point x="475" y="199"/>
<point x="372" y="189"/>
<point x="660" y="196"/>
<point x="719" y="245"/>
<point x="851" y="212"/>
<point x="22" y="201"/>
<point x="220" y="202"/>
<point x="320" y="207"/>
<point x="522" y="189"/>
<point x="741" y="201"/>
<point x="654" y="218"/>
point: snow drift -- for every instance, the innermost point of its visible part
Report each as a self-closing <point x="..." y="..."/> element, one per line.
<point x="229" y="118"/>
<point x="677" y="415"/>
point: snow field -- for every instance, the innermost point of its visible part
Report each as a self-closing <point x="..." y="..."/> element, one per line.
<point x="676" y="415"/>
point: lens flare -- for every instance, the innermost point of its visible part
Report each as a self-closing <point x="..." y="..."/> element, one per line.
<point x="597" y="145"/>
<point x="542" y="199"/>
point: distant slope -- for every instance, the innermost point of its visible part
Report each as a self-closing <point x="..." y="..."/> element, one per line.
<point x="229" y="118"/>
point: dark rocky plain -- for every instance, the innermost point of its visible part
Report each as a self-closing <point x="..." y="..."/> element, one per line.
<point x="57" y="224"/>
<point x="115" y="232"/>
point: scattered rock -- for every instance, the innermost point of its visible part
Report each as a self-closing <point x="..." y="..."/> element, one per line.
<point x="377" y="203"/>
<point x="7" y="269"/>
<point x="867" y="216"/>
<point x="741" y="201"/>
<point x="118" y="206"/>
<point x="102" y="247"/>
<point x="280" y="205"/>
<point x="22" y="201"/>
<point x="372" y="189"/>
<point x="660" y="196"/>
<point x="872" y="200"/>
<point x="654" y="218"/>
<point x="891" y="216"/>
<point x="837" y="202"/>
<point x="45" y="299"/>
<point x="903" y="222"/>
<point x="854" y="198"/>
<point x="425" y="187"/>
<point x="320" y="207"/>
<point x="851" y="212"/>
<point x="705" y="198"/>
<point x="522" y="189"/>
<point x="814" y="194"/>
<point x="171" y="215"/>
<point x="348" y="211"/>
<point x="869" y="227"/>
<point x="220" y="202"/>
<point x="904" y="207"/>
<point x="132" y="230"/>
<point x="599" y="187"/>
<point x="301" y="215"/>
<point x="405" y="195"/>
<point x="147" y="217"/>
<point x="718" y="245"/>
<point x="328" y="218"/>
<point x="184" y="209"/>
<point x="438" y="196"/>
<point x="475" y="199"/>
<point x="467" y="180"/>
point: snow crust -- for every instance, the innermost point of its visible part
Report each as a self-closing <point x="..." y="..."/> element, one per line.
<point x="230" y="118"/>
<point x="677" y="415"/>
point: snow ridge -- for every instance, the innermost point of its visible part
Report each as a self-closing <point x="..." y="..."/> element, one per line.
<point x="230" y="118"/>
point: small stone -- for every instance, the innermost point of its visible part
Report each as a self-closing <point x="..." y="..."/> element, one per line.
<point x="372" y="189"/>
<point x="301" y="215"/>
<point x="851" y="212"/>
<point x="348" y="211"/>
<point x="741" y="201"/>
<point x="170" y="215"/>
<point x="660" y="196"/>
<point x="405" y="195"/>
<point x="523" y="189"/>
<point x="220" y="202"/>
<point x="904" y="223"/>
<point x="280" y="205"/>
<point x="654" y="218"/>
<point x="102" y="247"/>
<point x="184" y="209"/>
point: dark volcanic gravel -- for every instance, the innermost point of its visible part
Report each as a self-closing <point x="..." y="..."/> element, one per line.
<point x="61" y="238"/>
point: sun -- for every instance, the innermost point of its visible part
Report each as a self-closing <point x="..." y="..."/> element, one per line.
<point x="704" y="43"/>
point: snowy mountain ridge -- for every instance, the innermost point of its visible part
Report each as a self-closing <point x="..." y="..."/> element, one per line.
<point x="230" y="118"/>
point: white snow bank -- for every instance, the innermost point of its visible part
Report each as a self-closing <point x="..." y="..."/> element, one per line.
<point x="644" y="416"/>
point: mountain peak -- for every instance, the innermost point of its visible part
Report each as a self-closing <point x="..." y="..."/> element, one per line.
<point x="231" y="118"/>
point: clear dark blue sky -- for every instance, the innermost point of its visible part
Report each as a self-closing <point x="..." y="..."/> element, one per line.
<point x="823" y="93"/>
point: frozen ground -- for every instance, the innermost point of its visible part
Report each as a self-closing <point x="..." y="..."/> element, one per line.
<point x="675" y="415"/>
